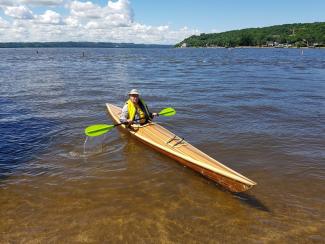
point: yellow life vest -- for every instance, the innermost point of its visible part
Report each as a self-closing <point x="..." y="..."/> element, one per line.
<point x="135" y="108"/>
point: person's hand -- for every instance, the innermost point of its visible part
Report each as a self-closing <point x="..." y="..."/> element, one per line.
<point x="130" y="121"/>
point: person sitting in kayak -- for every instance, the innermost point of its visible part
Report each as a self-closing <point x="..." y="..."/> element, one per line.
<point x="135" y="110"/>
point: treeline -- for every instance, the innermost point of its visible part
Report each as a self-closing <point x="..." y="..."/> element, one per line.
<point x="298" y="35"/>
<point x="77" y="45"/>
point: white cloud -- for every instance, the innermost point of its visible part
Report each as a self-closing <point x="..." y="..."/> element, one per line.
<point x="3" y="24"/>
<point x="85" y="10"/>
<point x="31" y="2"/>
<point x="85" y="21"/>
<point x="119" y="5"/>
<point x="4" y="3"/>
<point x="92" y="25"/>
<point x="163" y="28"/>
<point x="122" y="8"/>
<point x="50" y="17"/>
<point x="19" y="12"/>
<point x="42" y="2"/>
<point x="113" y="14"/>
<point x="71" y="21"/>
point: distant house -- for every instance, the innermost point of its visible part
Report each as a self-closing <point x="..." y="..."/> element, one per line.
<point x="184" y="45"/>
<point x="287" y="45"/>
<point x="270" y="44"/>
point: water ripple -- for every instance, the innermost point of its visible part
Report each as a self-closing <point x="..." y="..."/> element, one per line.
<point x="259" y="111"/>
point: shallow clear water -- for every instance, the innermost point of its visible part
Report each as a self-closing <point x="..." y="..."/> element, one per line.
<point x="259" y="111"/>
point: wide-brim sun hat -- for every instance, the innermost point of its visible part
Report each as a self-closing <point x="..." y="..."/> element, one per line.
<point x="134" y="92"/>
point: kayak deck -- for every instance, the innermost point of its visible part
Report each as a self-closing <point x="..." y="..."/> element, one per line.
<point x="177" y="148"/>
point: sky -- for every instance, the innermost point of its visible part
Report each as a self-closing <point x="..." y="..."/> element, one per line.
<point x="144" y="21"/>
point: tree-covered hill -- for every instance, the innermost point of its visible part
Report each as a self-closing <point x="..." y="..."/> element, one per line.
<point x="295" y="35"/>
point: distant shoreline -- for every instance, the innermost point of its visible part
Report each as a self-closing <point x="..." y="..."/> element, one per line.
<point x="78" y="45"/>
<point x="244" y="47"/>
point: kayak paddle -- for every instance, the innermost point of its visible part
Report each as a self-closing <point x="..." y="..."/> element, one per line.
<point x="100" y="129"/>
<point x="167" y="112"/>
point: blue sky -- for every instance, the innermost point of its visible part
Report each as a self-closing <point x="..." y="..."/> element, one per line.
<point x="207" y="15"/>
<point x="144" y="21"/>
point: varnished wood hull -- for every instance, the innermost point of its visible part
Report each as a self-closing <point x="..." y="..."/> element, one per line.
<point x="174" y="147"/>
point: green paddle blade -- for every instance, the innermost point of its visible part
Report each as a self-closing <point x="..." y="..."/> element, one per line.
<point x="97" y="130"/>
<point x="167" y="112"/>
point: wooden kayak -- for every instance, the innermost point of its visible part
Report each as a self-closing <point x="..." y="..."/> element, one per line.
<point x="177" y="148"/>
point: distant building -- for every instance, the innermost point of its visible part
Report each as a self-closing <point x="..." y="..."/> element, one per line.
<point x="184" y="45"/>
<point x="270" y="44"/>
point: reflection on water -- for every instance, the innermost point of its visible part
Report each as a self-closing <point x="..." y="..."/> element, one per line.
<point x="260" y="112"/>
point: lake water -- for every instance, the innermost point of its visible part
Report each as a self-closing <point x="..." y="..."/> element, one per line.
<point x="259" y="111"/>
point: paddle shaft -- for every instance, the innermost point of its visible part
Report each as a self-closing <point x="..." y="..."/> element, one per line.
<point x="125" y="123"/>
<point x="97" y="130"/>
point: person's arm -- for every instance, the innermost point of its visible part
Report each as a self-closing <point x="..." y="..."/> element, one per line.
<point x="125" y="114"/>
<point x="151" y="115"/>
